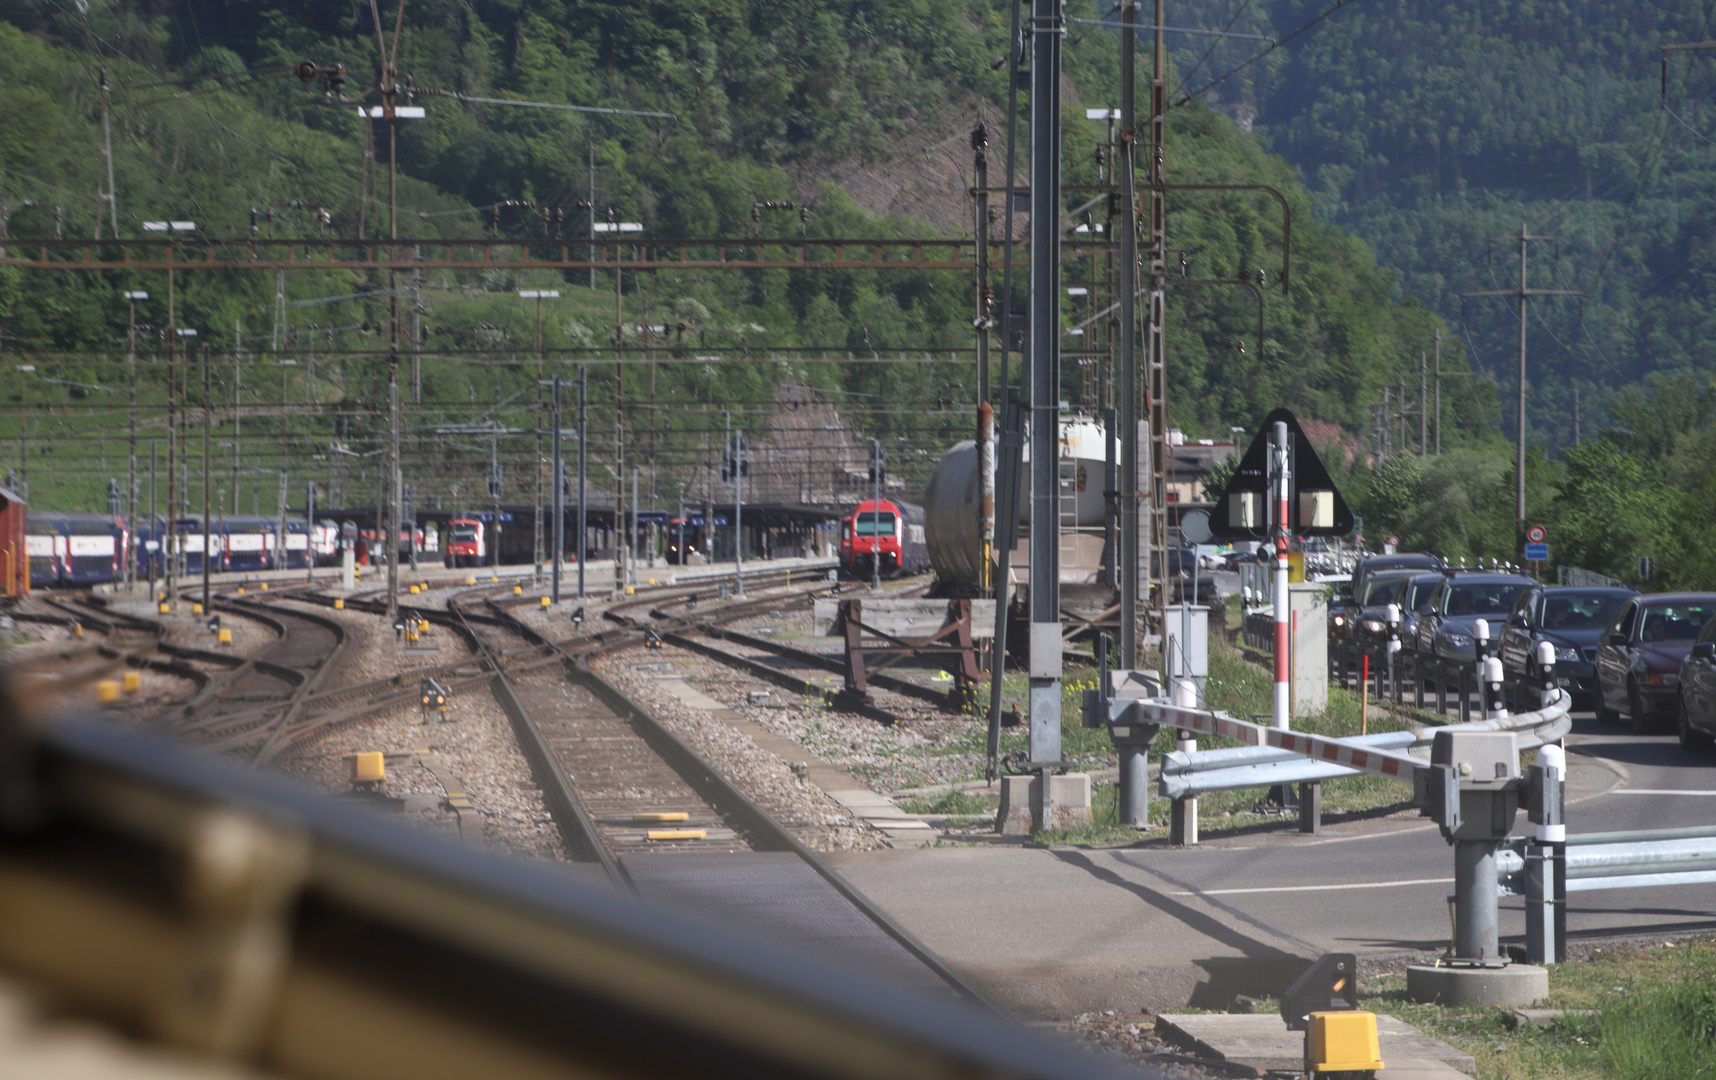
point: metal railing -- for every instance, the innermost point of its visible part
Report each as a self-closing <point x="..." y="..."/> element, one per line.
<point x="1621" y="860"/>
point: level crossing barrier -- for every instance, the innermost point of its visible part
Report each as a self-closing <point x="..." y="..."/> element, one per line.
<point x="1471" y="785"/>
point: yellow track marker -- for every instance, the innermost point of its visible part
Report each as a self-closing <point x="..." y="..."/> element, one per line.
<point x="130" y="681"/>
<point x="661" y="816"/>
<point x="339" y="604"/>
<point x="677" y="834"/>
<point x="107" y="691"/>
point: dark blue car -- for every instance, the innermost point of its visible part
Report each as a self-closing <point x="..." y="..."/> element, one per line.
<point x="1572" y="619"/>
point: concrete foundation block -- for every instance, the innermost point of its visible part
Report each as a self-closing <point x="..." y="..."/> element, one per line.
<point x="1021" y="809"/>
<point x="1511" y="986"/>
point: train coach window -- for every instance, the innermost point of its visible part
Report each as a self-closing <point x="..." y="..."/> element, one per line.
<point x="464" y="532"/>
<point x="868" y="525"/>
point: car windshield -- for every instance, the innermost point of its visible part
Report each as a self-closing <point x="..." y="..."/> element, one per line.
<point x="1495" y="598"/>
<point x="868" y="525"/>
<point x="1386" y="591"/>
<point x="1674" y="622"/>
<point x="1419" y="592"/>
<point x="1580" y="612"/>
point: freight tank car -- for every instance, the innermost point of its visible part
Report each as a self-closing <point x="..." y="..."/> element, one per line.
<point x="887" y="531"/>
<point x="954" y="503"/>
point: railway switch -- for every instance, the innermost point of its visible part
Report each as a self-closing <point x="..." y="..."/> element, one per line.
<point x="578" y="618"/>
<point x="213" y="624"/>
<point x="1342" y="1044"/>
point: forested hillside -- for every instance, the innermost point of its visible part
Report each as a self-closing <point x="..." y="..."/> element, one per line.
<point x="1429" y="127"/>
<point x="769" y="101"/>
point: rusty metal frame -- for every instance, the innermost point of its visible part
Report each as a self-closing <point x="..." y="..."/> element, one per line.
<point x="958" y="658"/>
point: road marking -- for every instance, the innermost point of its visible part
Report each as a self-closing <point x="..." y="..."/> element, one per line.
<point x="1659" y="791"/>
<point x="1318" y="888"/>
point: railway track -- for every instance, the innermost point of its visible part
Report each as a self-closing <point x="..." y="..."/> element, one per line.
<point x="630" y="795"/>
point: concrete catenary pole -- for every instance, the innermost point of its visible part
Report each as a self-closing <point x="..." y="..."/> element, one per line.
<point x="583" y="461"/>
<point x="1280" y="454"/>
<point x="1047" y="29"/>
<point x="559" y="538"/>
<point x="1126" y="284"/>
<point x="875" y="515"/>
<point x="208" y="503"/>
<point x="1520" y="294"/>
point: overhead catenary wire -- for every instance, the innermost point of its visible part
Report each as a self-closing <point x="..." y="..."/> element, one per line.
<point x="1231" y="72"/>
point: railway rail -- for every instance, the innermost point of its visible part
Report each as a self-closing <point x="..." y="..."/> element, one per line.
<point x="628" y="794"/>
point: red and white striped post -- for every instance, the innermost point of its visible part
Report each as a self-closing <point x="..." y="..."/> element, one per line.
<point x="1283" y="638"/>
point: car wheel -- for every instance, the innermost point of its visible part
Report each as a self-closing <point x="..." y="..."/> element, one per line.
<point x="1691" y="739"/>
<point x="1605" y="715"/>
<point x="1642" y="720"/>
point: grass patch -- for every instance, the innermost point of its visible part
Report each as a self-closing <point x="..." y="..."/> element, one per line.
<point x="955" y="802"/>
<point x="1655" y="1018"/>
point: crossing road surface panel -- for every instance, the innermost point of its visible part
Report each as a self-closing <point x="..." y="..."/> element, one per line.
<point x="1262" y="1041"/>
<point x="777" y="895"/>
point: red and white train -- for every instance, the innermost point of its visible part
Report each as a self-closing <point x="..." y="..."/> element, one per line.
<point x="887" y="531"/>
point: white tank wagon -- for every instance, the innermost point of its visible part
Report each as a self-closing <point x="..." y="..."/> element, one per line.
<point x="953" y="503"/>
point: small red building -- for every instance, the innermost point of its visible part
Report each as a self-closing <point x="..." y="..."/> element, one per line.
<point x="14" y="562"/>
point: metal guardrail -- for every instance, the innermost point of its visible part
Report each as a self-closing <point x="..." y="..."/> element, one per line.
<point x="1630" y="860"/>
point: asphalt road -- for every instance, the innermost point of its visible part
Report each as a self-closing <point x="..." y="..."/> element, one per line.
<point x="1059" y="931"/>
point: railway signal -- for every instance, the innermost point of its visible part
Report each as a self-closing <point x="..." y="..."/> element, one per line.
<point x="1280" y="490"/>
<point x="433" y="697"/>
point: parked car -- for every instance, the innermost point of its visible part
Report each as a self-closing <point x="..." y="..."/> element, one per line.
<point x="1639" y="657"/>
<point x="1446" y="623"/>
<point x="1697" y="724"/>
<point x="1570" y="618"/>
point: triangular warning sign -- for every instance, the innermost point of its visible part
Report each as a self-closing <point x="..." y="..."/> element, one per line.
<point x="1243" y="510"/>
